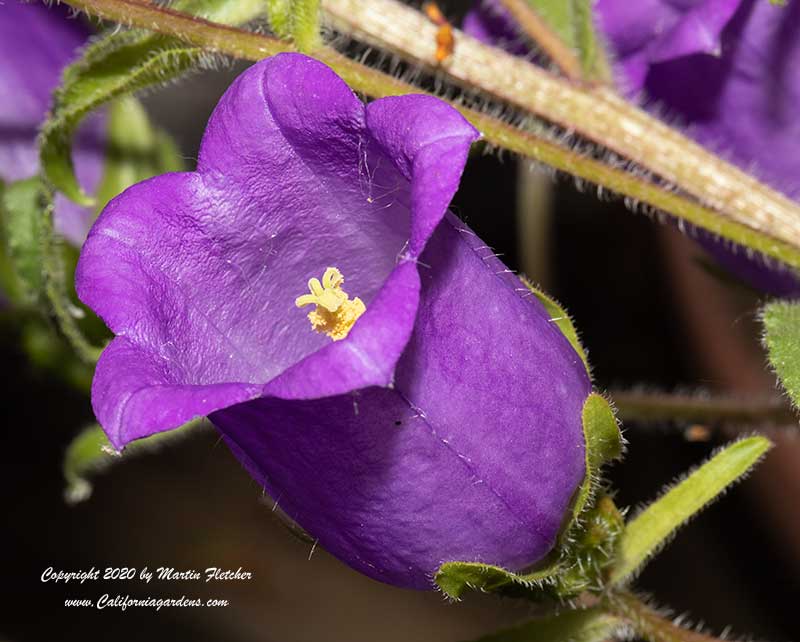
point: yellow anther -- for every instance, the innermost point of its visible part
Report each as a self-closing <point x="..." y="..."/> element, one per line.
<point x="334" y="313"/>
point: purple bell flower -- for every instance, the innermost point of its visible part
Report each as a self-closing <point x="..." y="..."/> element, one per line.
<point x="427" y="410"/>
<point x="36" y="43"/>
<point x="725" y="69"/>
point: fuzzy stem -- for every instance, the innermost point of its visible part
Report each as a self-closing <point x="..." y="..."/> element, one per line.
<point x="595" y="112"/>
<point x="55" y="288"/>
<point x="279" y="13"/>
<point x="648" y="623"/>
<point x="251" y="46"/>
<point x="305" y="27"/>
<point x="659" y="406"/>
<point x="532" y="25"/>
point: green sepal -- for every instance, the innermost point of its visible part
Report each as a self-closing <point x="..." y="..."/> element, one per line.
<point x="454" y="578"/>
<point x="24" y="208"/>
<point x="588" y="541"/>
<point x="604" y="444"/>
<point x="650" y="530"/>
<point x="573" y="625"/>
<point x="118" y="64"/>
<point x="90" y="453"/>
<point x="781" y="321"/>
<point x="560" y="317"/>
<point x="578" y="566"/>
<point x="573" y="21"/>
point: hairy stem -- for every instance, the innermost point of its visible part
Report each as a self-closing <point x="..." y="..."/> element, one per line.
<point x="55" y="288"/>
<point x="660" y="406"/>
<point x="532" y="25"/>
<point x="246" y="45"/>
<point x="595" y="112"/>
<point x="648" y="623"/>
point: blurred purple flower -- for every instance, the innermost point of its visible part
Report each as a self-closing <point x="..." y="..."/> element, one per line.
<point x="726" y="69"/>
<point x="36" y="43"/>
<point x="446" y="425"/>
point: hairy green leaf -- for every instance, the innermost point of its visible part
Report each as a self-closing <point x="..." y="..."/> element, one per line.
<point x="649" y="530"/>
<point x="574" y="22"/>
<point x="782" y="337"/>
<point x="23" y="212"/>
<point x="578" y="625"/>
<point x="90" y="453"/>
<point x="116" y="65"/>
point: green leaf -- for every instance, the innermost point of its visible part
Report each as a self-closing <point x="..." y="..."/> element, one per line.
<point x="649" y="531"/>
<point x="23" y="216"/>
<point x="90" y="453"/>
<point x="578" y="625"/>
<point x="134" y="150"/>
<point x="782" y="337"/>
<point x="574" y="22"/>
<point x="118" y="64"/>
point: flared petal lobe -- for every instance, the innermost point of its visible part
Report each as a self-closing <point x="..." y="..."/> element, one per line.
<point x="36" y="43"/>
<point x="446" y="425"/>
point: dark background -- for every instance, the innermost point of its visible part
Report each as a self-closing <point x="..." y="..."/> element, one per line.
<point x="190" y="505"/>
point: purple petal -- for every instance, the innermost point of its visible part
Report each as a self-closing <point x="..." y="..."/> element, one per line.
<point x="36" y="43"/>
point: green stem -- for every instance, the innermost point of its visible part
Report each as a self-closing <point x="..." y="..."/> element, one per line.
<point x="305" y="28"/>
<point x="251" y="46"/>
<point x="648" y="623"/>
<point x="55" y="288"/>
<point x="595" y="112"/>
<point x="659" y="406"/>
<point x="279" y="13"/>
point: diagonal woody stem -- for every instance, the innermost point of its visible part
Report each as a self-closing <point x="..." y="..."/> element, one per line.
<point x="596" y="113"/>
<point x="252" y="46"/>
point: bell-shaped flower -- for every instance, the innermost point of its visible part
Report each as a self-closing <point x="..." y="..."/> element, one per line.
<point x="36" y="43"/>
<point x="397" y="391"/>
<point x="725" y="70"/>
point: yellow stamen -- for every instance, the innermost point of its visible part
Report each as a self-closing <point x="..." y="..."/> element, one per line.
<point x="334" y="313"/>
